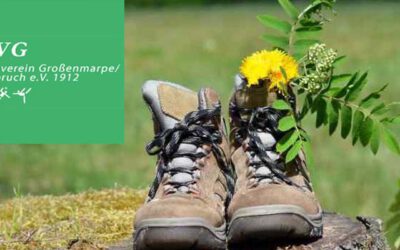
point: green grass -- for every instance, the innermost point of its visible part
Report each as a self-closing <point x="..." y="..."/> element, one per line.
<point x="204" y="47"/>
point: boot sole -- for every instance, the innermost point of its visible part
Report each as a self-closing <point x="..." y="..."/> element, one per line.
<point x="178" y="233"/>
<point x="273" y="223"/>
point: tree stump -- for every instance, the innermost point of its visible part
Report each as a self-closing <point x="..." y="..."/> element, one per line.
<point x="340" y="232"/>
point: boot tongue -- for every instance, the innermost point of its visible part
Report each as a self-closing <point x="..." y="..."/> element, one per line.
<point x="252" y="97"/>
<point x="170" y="102"/>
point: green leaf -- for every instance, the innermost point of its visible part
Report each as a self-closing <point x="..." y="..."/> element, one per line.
<point x="305" y="42"/>
<point x="382" y="111"/>
<point x="375" y="138"/>
<point x="338" y="60"/>
<point x="278" y="41"/>
<point x="309" y="29"/>
<point x="310" y="23"/>
<point x="299" y="52"/>
<point x="379" y="109"/>
<point x="343" y="92"/>
<point x="333" y="115"/>
<point x="331" y="91"/>
<point x="275" y="23"/>
<point x="283" y="71"/>
<point x="315" y="104"/>
<point x="390" y="141"/>
<point x="286" y="123"/>
<point x="371" y="98"/>
<point x="281" y="105"/>
<point x="290" y="9"/>
<point x="287" y="141"/>
<point x="337" y="79"/>
<point x="357" y="88"/>
<point x="321" y="112"/>
<point x="308" y="101"/>
<point x="381" y="89"/>
<point x="305" y="136"/>
<point x="293" y="151"/>
<point x="346" y="117"/>
<point x="308" y="32"/>
<point x="357" y="121"/>
<point x="366" y="130"/>
<point x="298" y="55"/>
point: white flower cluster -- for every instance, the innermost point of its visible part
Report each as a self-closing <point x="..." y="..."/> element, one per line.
<point x="314" y="81"/>
<point x="322" y="57"/>
<point x="321" y="60"/>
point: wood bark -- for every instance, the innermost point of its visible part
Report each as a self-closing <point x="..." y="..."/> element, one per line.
<point x="340" y="233"/>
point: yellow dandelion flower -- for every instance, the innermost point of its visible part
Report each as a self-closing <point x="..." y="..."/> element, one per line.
<point x="254" y="67"/>
<point x="275" y="66"/>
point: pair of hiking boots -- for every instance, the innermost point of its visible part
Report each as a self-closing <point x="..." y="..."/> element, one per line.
<point x="211" y="191"/>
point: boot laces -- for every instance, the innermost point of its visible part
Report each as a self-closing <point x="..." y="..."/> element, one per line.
<point x="259" y="130"/>
<point x="179" y="148"/>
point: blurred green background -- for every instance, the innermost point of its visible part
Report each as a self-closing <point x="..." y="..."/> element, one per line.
<point x="203" y="46"/>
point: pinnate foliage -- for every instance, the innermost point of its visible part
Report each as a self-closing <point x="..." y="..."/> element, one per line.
<point x="337" y="99"/>
<point x="365" y="119"/>
<point x="300" y="31"/>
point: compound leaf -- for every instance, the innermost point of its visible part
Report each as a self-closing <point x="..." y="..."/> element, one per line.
<point x="275" y="23"/>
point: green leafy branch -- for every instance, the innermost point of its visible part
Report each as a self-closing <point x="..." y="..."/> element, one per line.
<point x="335" y="98"/>
<point x="368" y="118"/>
<point x="301" y="31"/>
<point x="296" y="139"/>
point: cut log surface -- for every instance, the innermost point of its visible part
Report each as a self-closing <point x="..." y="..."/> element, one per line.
<point x="340" y="232"/>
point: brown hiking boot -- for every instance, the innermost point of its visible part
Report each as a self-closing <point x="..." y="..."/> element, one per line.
<point x="186" y="203"/>
<point x="272" y="200"/>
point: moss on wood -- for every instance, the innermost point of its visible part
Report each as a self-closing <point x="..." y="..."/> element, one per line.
<point x="93" y="218"/>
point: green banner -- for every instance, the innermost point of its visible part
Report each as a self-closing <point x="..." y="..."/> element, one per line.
<point x="62" y="71"/>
